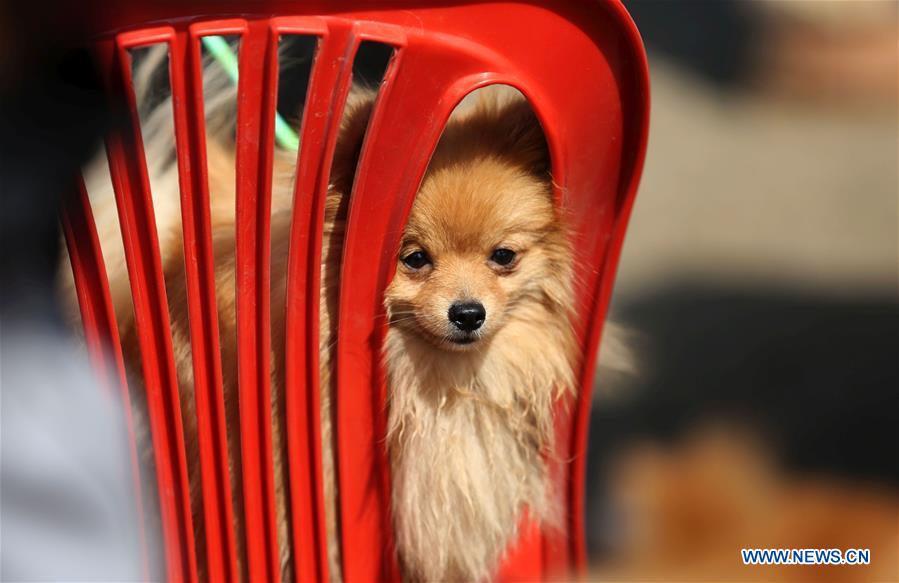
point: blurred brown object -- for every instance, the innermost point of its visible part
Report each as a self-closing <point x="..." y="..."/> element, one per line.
<point x="688" y="510"/>
<point x="843" y="52"/>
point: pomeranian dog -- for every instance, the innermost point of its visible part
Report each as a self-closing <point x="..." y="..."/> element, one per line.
<point x="479" y="343"/>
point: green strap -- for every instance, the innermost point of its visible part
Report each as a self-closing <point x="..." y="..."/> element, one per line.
<point x="221" y="51"/>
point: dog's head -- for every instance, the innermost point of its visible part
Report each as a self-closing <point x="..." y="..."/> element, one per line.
<point x="483" y="244"/>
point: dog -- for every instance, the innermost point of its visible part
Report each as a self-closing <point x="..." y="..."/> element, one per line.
<point x="479" y="345"/>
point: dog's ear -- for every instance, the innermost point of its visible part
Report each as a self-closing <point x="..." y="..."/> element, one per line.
<point x="502" y="122"/>
<point x="349" y="140"/>
<point x="522" y="136"/>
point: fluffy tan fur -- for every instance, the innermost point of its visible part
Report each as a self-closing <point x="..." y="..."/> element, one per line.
<point x="469" y="425"/>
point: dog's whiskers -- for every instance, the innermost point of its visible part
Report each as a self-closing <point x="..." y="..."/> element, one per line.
<point x="404" y="319"/>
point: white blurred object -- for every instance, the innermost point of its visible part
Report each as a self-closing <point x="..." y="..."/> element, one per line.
<point x="67" y="505"/>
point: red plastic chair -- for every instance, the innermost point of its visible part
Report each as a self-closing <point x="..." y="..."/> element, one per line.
<point x="582" y="66"/>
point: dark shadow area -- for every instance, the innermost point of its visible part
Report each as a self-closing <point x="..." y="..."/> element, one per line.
<point x="714" y="39"/>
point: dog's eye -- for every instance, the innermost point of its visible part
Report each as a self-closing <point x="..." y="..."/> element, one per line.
<point x="416" y="260"/>
<point x="503" y="256"/>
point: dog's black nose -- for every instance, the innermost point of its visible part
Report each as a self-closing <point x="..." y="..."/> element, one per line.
<point x="467" y="316"/>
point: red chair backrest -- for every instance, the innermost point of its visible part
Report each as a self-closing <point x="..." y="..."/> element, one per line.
<point x="582" y="66"/>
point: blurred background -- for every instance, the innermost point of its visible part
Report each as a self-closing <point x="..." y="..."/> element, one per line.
<point x="757" y="290"/>
<point x="758" y="293"/>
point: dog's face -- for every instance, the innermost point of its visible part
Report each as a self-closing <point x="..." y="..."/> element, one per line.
<point x="483" y="244"/>
<point x="475" y="249"/>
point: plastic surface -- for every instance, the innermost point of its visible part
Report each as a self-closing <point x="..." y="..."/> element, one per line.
<point x="582" y="66"/>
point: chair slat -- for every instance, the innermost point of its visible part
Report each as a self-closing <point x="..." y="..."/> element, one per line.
<point x="128" y="171"/>
<point x="256" y="99"/>
<point x="101" y="334"/>
<point x="328" y="88"/>
<point x="190" y="136"/>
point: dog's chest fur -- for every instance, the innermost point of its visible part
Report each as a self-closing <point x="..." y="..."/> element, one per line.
<point x="467" y="436"/>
